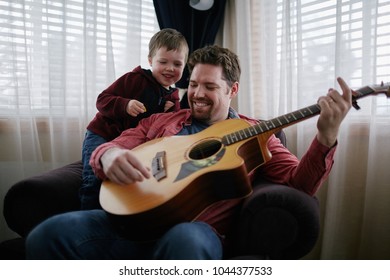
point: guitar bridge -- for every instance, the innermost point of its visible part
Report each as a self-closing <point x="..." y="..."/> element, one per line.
<point x="158" y="166"/>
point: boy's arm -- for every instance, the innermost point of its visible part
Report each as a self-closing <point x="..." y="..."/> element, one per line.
<point x="113" y="101"/>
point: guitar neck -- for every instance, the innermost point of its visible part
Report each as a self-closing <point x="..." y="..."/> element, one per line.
<point x="296" y="116"/>
<point x="272" y="124"/>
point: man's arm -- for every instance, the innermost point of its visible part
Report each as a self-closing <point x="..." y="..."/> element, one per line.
<point x="123" y="167"/>
<point x="109" y="156"/>
<point x="306" y="174"/>
<point x="311" y="171"/>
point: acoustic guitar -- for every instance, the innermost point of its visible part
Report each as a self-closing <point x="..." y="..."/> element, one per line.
<point x="190" y="173"/>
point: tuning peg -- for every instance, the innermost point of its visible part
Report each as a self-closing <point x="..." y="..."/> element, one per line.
<point x="355" y="105"/>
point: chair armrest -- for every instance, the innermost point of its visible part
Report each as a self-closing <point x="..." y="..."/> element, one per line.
<point x="277" y="222"/>
<point x="34" y="199"/>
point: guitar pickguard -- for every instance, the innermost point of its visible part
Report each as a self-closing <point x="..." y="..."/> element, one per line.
<point x="191" y="166"/>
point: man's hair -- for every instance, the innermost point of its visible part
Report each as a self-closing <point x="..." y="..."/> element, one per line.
<point x="170" y="39"/>
<point x="218" y="56"/>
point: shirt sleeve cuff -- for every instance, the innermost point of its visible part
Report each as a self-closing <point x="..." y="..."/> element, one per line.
<point x="95" y="160"/>
<point x="328" y="152"/>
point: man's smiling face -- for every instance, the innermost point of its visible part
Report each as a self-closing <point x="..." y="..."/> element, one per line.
<point x="209" y="95"/>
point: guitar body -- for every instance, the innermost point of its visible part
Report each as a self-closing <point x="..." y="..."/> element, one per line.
<point x="198" y="171"/>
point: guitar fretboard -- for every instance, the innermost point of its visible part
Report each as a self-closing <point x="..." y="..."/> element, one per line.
<point x="296" y="116"/>
<point x="272" y="124"/>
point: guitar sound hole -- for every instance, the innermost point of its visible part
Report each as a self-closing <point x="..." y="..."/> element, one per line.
<point x="205" y="149"/>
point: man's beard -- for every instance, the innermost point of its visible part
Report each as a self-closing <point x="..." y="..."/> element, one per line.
<point x="204" y="115"/>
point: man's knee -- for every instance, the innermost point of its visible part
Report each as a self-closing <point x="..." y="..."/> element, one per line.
<point x="190" y="241"/>
<point x="48" y="238"/>
<point x="41" y="238"/>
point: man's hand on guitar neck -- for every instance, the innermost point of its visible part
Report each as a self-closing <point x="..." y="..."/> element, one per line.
<point x="334" y="107"/>
<point x="121" y="166"/>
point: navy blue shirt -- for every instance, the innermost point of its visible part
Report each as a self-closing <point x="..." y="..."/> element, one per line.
<point x="197" y="126"/>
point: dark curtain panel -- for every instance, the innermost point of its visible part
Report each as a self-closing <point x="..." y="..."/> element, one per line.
<point x="198" y="27"/>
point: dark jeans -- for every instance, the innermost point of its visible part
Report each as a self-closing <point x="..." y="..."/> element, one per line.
<point x="90" y="235"/>
<point x="89" y="191"/>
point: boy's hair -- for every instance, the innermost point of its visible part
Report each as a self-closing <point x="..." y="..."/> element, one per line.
<point x="169" y="38"/>
<point x="218" y="56"/>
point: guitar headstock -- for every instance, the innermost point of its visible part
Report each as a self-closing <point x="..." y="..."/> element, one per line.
<point x="370" y="90"/>
<point x="382" y="88"/>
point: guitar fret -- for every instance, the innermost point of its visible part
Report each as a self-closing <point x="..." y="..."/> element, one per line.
<point x="297" y="115"/>
<point x="303" y="113"/>
<point x="248" y="132"/>
<point x="263" y="127"/>
<point x="300" y="114"/>
<point x="243" y="133"/>
<point x="239" y="135"/>
<point x="314" y="109"/>
<point x="283" y="120"/>
<point x="256" y="127"/>
<point x="226" y="140"/>
<point x="280" y="123"/>
<point x="252" y="130"/>
<point x="288" y="117"/>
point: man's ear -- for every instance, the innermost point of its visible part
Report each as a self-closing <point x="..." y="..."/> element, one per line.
<point x="234" y="90"/>
<point x="150" y="60"/>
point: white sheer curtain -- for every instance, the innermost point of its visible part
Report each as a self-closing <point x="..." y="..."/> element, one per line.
<point x="291" y="52"/>
<point x="56" y="56"/>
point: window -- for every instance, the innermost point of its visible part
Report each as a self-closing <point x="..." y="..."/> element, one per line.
<point x="56" y="56"/>
<point x="309" y="42"/>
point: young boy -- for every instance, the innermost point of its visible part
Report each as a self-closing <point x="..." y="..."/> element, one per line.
<point x="132" y="97"/>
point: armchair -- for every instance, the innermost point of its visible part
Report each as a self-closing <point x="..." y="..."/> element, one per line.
<point x="276" y="221"/>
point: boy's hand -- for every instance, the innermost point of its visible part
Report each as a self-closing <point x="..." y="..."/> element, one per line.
<point x="135" y="107"/>
<point x="168" y="105"/>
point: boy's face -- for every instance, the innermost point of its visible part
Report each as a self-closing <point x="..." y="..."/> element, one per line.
<point x="167" y="66"/>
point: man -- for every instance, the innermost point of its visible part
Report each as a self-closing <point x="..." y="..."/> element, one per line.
<point x="214" y="82"/>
